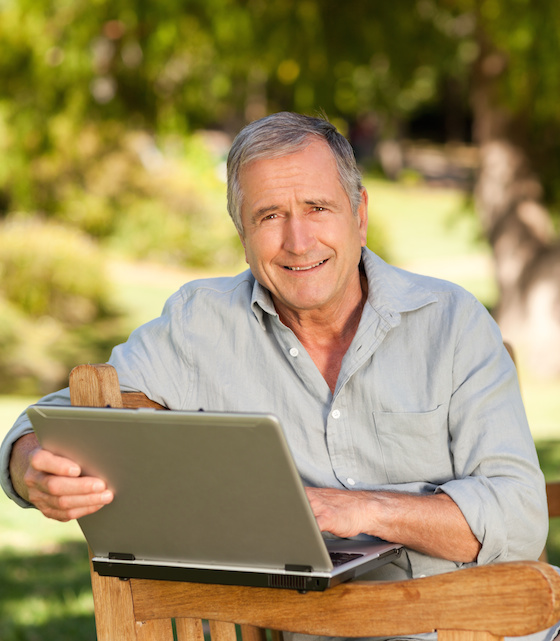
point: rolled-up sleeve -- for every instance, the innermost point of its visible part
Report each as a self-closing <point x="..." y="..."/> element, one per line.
<point x="498" y="484"/>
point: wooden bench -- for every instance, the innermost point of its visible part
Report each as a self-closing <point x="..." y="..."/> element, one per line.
<point x="476" y="604"/>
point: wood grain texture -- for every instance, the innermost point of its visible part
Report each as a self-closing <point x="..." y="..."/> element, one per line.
<point x="95" y="386"/>
<point x="508" y="599"/>
<point x="98" y="386"/>
<point x="454" y="635"/>
<point x="189" y="630"/>
<point x="222" y="630"/>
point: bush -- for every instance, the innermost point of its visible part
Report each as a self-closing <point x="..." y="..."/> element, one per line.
<point x="49" y="270"/>
<point x="157" y="199"/>
<point x="56" y="307"/>
<point x="181" y="216"/>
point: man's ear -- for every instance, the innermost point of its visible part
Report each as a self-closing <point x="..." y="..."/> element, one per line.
<point x="363" y="217"/>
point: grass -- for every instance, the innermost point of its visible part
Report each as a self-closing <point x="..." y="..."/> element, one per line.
<point x="45" y="593"/>
<point x="44" y="582"/>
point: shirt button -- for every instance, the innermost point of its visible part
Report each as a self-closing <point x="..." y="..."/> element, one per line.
<point x="336" y="414"/>
<point x="294" y="351"/>
<point x="351" y="481"/>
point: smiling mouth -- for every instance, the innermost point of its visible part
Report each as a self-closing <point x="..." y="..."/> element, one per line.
<point x="304" y="269"/>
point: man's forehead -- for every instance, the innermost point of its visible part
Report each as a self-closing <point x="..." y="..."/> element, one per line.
<point x="318" y="145"/>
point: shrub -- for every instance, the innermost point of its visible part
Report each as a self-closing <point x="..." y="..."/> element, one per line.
<point x="50" y="270"/>
<point x="55" y="305"/>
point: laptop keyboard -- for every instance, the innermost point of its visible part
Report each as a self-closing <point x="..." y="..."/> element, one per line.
<point x="338" y="558"/>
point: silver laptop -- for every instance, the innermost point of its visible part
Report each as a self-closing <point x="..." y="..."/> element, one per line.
<point x="201" y="496"/>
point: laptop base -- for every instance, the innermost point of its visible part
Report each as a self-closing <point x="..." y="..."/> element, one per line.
<point x="263" y="579"/>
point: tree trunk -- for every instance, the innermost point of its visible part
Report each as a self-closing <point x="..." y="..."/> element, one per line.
<point x="508" y="197"/>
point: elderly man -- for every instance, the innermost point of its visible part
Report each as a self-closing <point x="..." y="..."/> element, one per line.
<point x="399" y="402"/>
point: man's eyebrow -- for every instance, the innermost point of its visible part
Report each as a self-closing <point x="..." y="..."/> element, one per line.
<point x="261" y="212"/>
<point x="320" y="202"/>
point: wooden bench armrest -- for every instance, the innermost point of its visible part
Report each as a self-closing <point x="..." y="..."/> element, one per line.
<point x="507" y="599"/>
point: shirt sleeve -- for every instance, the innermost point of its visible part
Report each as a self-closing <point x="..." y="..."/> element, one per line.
<point x="21" y="427"/>
<point x="154" y="360"/>
<point x="498" y="484"/>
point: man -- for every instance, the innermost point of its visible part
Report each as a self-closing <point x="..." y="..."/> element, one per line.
<point x="399" y="402"/>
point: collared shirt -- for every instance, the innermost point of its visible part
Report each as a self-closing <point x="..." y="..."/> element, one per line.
<point x="427" y="398"/>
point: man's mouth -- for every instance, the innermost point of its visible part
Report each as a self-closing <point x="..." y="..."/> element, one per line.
<point x="304" y="269"/>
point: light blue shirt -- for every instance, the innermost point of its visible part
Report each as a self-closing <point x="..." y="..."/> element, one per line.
<point x="427" y="398"/>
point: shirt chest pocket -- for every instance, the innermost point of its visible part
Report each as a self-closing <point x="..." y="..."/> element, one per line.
<point x="415" y="445"/>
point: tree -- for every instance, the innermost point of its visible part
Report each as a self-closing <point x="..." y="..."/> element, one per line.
<point x="515" y="81"/>
<point x="173" y="67"/>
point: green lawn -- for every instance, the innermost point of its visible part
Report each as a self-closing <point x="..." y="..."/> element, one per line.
<point x="44" y="582"/>
<point x="45" y="594"/>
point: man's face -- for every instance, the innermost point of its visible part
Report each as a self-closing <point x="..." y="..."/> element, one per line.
<point x="301" y="238"/>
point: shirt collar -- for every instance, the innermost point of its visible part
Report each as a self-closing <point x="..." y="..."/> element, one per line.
<point x="393" y="291"/>
<point x="390" y="291"/>
<point x="261" y="303"/>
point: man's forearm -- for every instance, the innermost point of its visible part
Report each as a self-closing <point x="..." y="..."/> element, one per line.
<point x="19" y="463"/>
<point x="431" y="524"/>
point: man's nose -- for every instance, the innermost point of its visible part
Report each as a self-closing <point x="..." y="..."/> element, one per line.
<point x="299" y="235"/>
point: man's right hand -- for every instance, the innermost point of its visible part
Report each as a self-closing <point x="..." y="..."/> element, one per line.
<point x="54" y="484"/>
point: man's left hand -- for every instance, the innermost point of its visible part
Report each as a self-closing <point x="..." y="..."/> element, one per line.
<point x="341" y="512"/>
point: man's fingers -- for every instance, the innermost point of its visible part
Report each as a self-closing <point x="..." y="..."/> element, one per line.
<point x="49" y="463"/>
<point x="65" y="515"/>
<point x="60" y="486"/>
<point x="56" y="488"/>
<point x="57" y="499"/>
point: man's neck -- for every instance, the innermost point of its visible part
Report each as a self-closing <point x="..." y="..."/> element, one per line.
<point x="327" y="336"/>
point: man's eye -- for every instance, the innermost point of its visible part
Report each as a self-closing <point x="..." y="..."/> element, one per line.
<point x="317" y="208"/>
<point x="270" y="217"/>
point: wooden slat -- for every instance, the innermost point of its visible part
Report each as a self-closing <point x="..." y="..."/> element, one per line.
<point x="155" y="630"/>
<point x="222" y="631"/>
<point x="553" y="498"/>
<point x="508" y="599"/>
<point x="251" y="633"/>
<point x="189" y="630"/>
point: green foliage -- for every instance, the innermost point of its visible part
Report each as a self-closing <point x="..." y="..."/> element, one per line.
<point x="549" y="459"/>
<point x="173" y="67"/>
<point x="95" y="95"/>
<point x="56" y="307"/>
<point x="47" y="269"/>
<point x="185" y="220"/>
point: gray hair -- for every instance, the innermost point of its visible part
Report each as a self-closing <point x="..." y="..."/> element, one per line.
<point x="282" y="134"/>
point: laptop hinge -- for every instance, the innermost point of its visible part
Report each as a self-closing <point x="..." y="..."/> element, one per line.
<point x="291" y="567"/>
<point x="121" y="556"/>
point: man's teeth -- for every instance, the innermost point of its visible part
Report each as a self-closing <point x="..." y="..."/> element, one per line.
<point x="303" y="269"/>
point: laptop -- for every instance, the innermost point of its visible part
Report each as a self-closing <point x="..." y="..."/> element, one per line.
<point x="209" y="497"/>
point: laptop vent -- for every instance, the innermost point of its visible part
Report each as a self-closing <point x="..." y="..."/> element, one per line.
<point x="287" y="581"/>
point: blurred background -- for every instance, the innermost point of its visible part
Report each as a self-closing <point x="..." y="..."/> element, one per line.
<point x="115" y="123"/>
